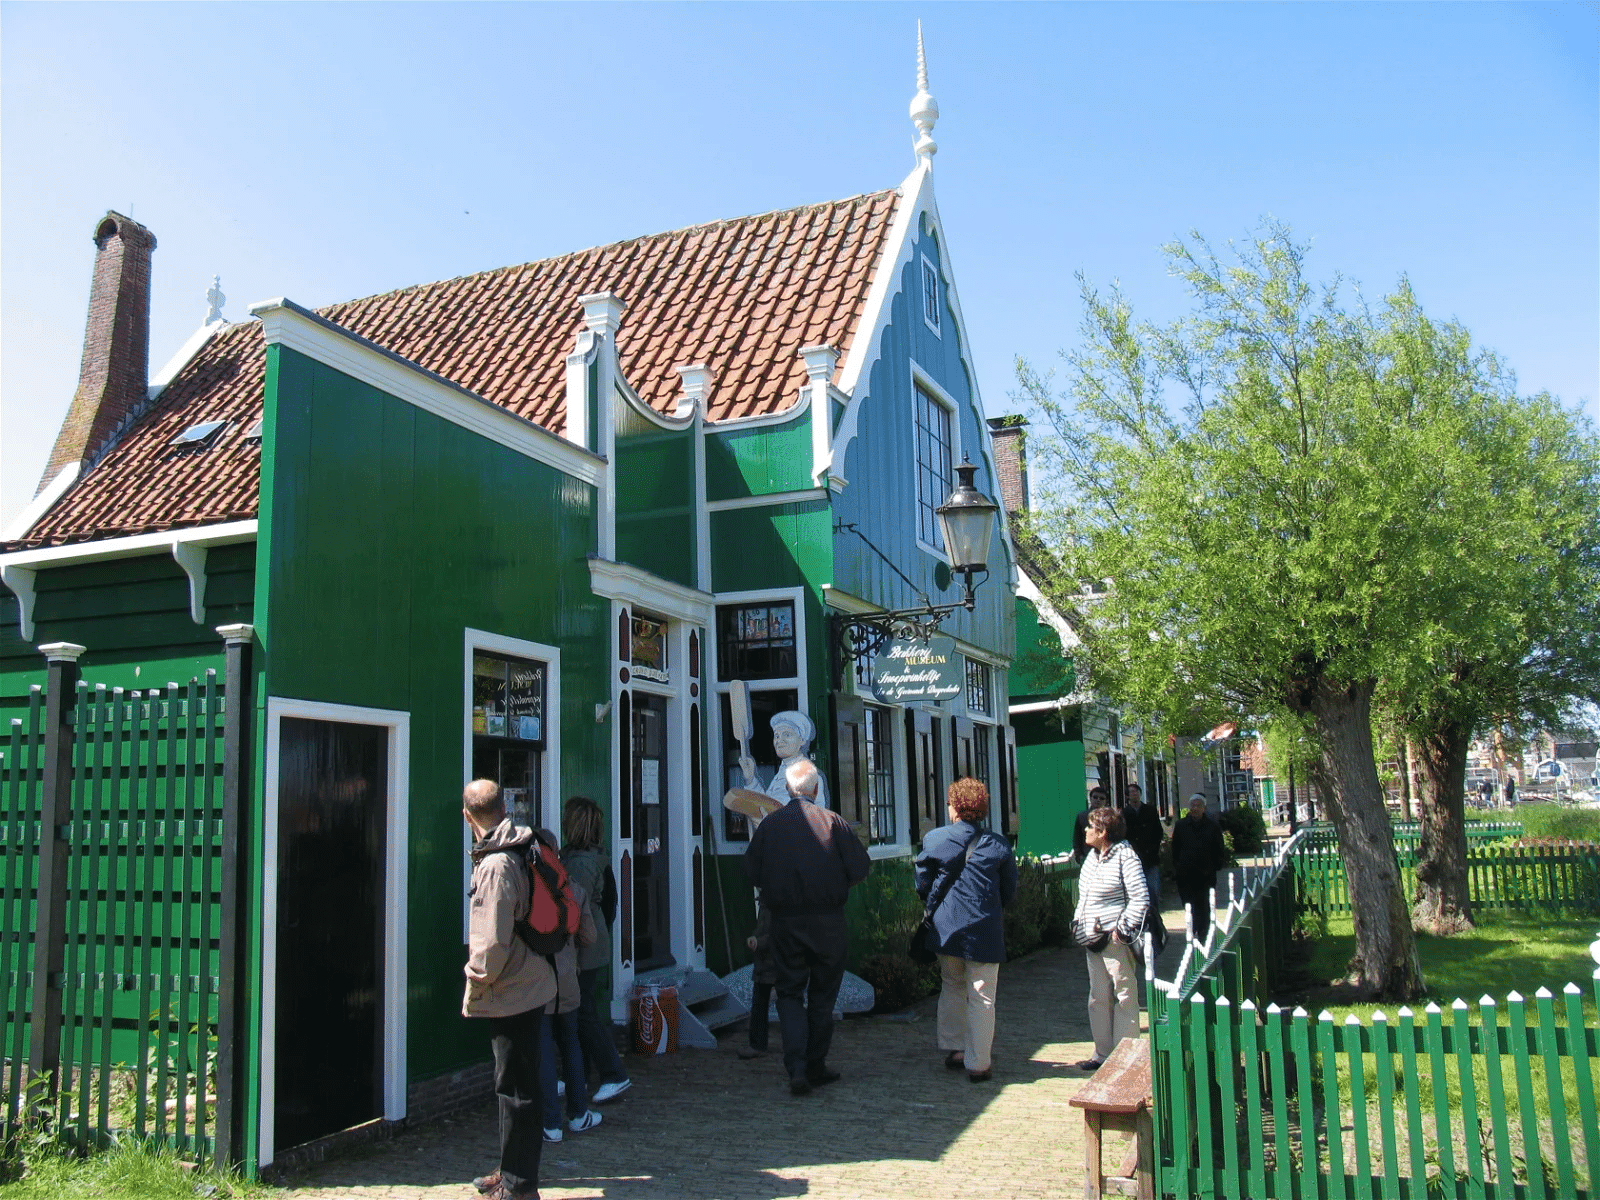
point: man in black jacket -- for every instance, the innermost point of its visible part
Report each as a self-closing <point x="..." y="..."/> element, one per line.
<point x="805" y="859"/>
<point x="1197" y="854"/>
<point x="1144" y="834"/>
<point x="1080" y="823"/>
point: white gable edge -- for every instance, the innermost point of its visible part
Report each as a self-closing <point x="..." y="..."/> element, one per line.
<point x="285" y="323"/>
<point x="866" y="348"/>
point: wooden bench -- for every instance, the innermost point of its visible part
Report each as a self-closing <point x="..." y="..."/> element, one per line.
<point x="1117" y="1098"/>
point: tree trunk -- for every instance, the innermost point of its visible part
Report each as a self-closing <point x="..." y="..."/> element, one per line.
<point x="1444" y="905"/>
<point x="1386" y="964"/>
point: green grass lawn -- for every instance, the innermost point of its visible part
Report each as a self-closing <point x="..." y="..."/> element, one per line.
<point x="1508" y="951"/>
<point x="1558" y="821"/>
<point x="131" y="1171"/>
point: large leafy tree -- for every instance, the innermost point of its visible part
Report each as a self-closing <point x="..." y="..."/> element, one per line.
<point x="1283" y="501"/>
<point x="1520" y="644"/>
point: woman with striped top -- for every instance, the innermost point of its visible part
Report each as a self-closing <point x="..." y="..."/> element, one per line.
<point x="1111" y="903"/>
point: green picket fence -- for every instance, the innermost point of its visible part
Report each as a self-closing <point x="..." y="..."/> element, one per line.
<point x="1274" y="1105"/>
<point x="112" y="872"/>
<point x="1251" y="1101"/>
<point x="1557" y="876"/>
<point x="1408" y="834"/>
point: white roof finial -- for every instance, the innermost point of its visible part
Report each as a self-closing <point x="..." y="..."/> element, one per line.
<point x="924" y="108"/>
<point x="215" y="300"/>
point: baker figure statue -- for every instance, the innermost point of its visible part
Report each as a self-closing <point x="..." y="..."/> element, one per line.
<point x="792" y="735"/>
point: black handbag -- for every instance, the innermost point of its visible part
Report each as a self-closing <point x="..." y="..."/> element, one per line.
<point x="919" y="951"/>
<point x="1095" y="939"/>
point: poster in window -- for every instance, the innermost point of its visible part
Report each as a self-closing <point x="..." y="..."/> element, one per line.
<point x="525" y="701"/>
<point x="649" y="781"/>
<point x="488" y="695"/>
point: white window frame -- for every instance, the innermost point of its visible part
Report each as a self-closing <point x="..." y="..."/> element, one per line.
<point x="921" y="379"/>
<point x="930" y="317"/>
<point x="712" y="714"/>
<point x="550" y="761"/>
<point x="396" y="890"/>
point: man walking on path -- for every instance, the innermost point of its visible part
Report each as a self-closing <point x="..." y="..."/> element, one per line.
<point x="1144" y="834"/>
<point x="1197" y="854"/>
<point x="805" y="860"/>
<point x="508" y="985"/>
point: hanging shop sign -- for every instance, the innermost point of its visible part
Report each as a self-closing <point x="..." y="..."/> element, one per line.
<point x="909" y="669"/>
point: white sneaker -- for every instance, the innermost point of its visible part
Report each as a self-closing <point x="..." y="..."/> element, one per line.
<point x="553" y="1135"/>
<point x="610" y="1091"/>
<point x="586" y="1122"/>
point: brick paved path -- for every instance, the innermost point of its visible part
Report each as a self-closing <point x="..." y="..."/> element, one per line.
<point x="706" y="1124"/>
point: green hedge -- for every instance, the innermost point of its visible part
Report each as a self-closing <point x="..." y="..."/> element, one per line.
<point x="884" y="910"/>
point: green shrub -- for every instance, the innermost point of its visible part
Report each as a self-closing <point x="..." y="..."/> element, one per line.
<point x="1244" y="829"/>
<point x="897" y="980"/>
<point x="1042" y="911"/>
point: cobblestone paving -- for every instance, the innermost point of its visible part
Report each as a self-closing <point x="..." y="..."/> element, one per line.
<point x="706" y="1124"/>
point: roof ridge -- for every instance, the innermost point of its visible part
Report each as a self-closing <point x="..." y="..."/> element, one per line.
<point x="571" y="255"/>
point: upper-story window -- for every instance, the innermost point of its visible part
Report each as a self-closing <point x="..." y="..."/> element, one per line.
<point x="930" y="295"/>
<point x="979" y="693"/>
<point x="756" y="641"/>
<point x="933" y="466"/>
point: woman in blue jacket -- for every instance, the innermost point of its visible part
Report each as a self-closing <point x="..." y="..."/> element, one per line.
<point x="971" y="875"/>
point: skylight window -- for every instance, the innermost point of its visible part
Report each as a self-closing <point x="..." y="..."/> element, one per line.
<point x="253" y="434"/>
<point x="198" y="435"/>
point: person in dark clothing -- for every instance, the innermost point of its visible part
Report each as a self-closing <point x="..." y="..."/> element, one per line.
<point x="971" y="874"/>
<point x="763" y="975"/>
<point x="805" y="860"/>
<point x="1144" y="834"/>
<point x="1197" y="855"/>
<point x="1080" y="825"/>
<point x="1510" y="791"/>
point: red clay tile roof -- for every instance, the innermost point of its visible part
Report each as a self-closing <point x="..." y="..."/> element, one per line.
<point x="742" y="296"/>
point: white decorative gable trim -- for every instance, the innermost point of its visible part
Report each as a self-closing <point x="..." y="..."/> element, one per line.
<point x="1029" y="591"/>
<point x="286" y="323"/>
<point x="42" y="503"/>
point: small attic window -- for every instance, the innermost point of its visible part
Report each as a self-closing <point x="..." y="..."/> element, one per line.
<point x="930" y="295"/>
<point x="253" y="434"/>
<point x="198" y="435"/>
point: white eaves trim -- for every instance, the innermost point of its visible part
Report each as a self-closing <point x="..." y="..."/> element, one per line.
<point x="1029" y="591"/>
<point x="633" y="585"/>
<point x="187" y="546"/>
<point x="769" y="499"/>
<point x="286" y="323"/>
<point x="40" y="504"/>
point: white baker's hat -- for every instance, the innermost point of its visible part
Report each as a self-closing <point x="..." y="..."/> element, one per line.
<point x="797" y="721"/>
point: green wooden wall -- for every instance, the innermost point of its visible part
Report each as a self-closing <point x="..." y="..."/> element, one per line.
<point x="655" y="515"/>
<point x="759" y="460"/>
<point x="132" y="614"/>
<point x="385" y="532"/>
<point x="1051" y="790"/>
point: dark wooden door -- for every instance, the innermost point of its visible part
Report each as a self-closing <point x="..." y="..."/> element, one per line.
<point x="652" y="799"/>
<point x="850" y="762"/>
<point x="332" y="808"/>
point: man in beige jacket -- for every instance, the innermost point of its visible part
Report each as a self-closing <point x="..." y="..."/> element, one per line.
<point x="508" y="985"/>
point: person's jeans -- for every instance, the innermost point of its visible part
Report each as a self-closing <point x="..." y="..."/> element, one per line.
<point x="561" y="1036"/>
<point x="1197" y="895"/>
<point x="594" y="1029"/>
<point x="515" y="1044"/>
<point x="966" y="1009"/>
<point x="1152" y="884"/>
<point x="1113" y="997"/>
<point x="809" y="953"/>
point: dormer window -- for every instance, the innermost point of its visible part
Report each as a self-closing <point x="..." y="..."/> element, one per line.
<point x="198" y="435"/>
<point x="930" y="294"/>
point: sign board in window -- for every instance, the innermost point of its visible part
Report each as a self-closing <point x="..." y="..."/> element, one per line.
<point x="908" y="669"/>
<point x="507" y="698"/>
<point x="649" y="655"/>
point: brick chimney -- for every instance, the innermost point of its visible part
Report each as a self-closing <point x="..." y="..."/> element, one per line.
<point x="1010" y="461"/>
<point x="115" y="375"/>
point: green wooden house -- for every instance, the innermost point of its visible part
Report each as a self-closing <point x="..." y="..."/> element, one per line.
<point x="529" y="524"/>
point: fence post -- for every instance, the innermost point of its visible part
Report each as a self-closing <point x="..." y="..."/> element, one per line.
<point x="240" y="696"/>
<point x="55" y="809"/>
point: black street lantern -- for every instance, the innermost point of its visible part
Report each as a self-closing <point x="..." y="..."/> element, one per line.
<point x="967" y="519"/>
<point x="967" y="522"/>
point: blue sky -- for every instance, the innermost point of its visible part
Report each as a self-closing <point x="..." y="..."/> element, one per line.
<point x="328" y="151"/>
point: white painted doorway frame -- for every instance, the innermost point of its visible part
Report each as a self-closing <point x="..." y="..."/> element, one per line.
<point x="395" y="891"/>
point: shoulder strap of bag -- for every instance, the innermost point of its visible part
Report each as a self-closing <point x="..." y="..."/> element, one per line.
<point x="950" y="876"/>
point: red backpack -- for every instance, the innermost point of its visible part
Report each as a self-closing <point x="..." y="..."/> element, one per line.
<point x="553" y="914"/>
